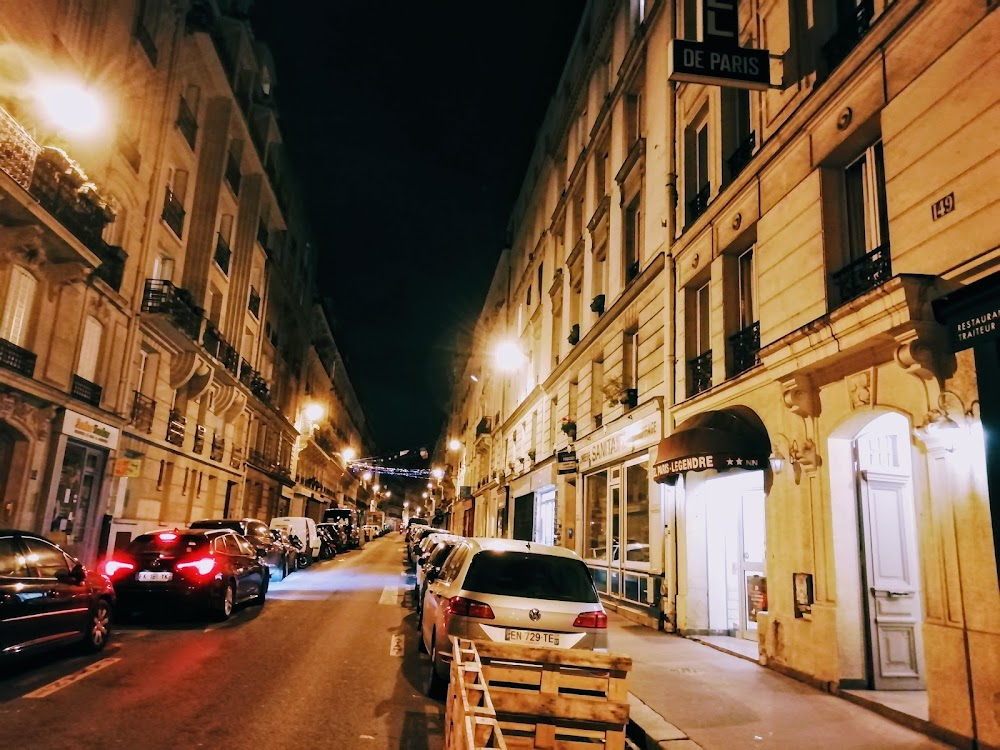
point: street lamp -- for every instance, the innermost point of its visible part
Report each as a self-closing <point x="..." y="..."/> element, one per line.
<point x="508" y="356"/>
<point x="367" y="476"/>
<point x="454" y="444"/>
<point x="349" y="454"/>
<point x="70" y="106"/>
<point x="424" y="495"/>
<point x="314" y="412"/>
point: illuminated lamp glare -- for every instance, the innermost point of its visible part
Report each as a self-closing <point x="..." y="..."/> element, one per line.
<point x="70" y="106"/>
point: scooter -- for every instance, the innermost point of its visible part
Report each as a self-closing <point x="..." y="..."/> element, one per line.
<point x="302" y="556"/>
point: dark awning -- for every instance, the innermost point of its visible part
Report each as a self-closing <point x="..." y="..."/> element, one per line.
<point x="971" y="313"/>
<point x="730" y="438"/>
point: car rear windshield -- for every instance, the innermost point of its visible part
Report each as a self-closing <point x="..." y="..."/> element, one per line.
<point x="219" y="523"/>
<point x="167" y="544"/>
<point x="530" y="575"/>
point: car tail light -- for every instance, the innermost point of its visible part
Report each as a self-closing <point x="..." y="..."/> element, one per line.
<point x="459" y="605"/>
<point x="591" y="620"/>
<point x="203" y="566"/>
<point x="167" y="536"/>
<point x="114" y="567"/>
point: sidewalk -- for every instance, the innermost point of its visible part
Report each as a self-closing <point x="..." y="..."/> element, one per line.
<point x="688" y="696"/>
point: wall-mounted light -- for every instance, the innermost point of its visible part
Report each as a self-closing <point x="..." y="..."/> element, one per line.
<point x="777" y="462"/>
<point x="454" y="444"/>
<point x="349" y="454"/>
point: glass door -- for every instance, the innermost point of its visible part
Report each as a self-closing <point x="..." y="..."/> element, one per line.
<point x="753" y="548"/>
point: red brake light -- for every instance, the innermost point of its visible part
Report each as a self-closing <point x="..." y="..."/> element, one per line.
<point x="203" y="566"/>
<point x="113" y="567"/>
<point x="591" y="620"/>
<point x="167" y="536"/>
<point x="459" y="605"/>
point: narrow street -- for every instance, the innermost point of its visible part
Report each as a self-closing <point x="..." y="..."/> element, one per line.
<point x="329" y="661"/>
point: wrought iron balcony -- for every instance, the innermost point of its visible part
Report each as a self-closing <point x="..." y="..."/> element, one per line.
<point x="483" y="428"/>
<point x="176" y="426"/>
<point x="13" y="357"/>
<point x="745" y="347"/>
<point x="62" y="190"/>
<point x="173" y="212"/>
<point x="853" y="25"/>
<point x="219" y="348"/>
<point x="218" y="447"/>
<point x="222" y="253"/>
<point x="233" y="173"/>
<point x="143" y="411"/>
<point x="253" y="304"/>
<point x="199" y="439"/>
<point x="700" y="373"/>
<point x="187" y="123"/>
<point x="864" y="274"/>
<point x="738" y="160"/>
<point x="84" y="390"/>
<point x="145" y="39"/>
<point x="697" y="205"/>
<point x="161" y="296"/>
<point x="112" y="268"/>
<point x="631" y="271"/>
<point x="629" y="398"/>
<point x="246" y="373"/>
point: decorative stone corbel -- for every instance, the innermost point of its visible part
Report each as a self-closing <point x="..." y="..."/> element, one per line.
<point x="183" y="366"/>
<point x="225" y="395"/>
<point x="29" y="419"/>
<point x="21" y="245"/>
<point x="923" y="351"/>
<point x="235" y="409"/>
<point x="800" y="396"/>
<point x="200" y="382"/>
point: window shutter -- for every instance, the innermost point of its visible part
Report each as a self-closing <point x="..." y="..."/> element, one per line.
<point x="90" y="349"/>
<point x="20" y="300"/>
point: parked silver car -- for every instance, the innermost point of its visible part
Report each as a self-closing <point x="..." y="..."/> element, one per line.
<point x="512" y="591"/>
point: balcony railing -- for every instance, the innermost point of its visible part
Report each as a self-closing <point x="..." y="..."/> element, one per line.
<point x="161" y="296"/>
<point x="864" y="274"/>
<point x="852" y="26"/>
<point x="700" y="373"/>
<point x="145" y="39"/>
<point x="483" y="428"/>
<point x="13" y="357"/>
<point x="187" y="123"/>
<point x="112" y="268"/>
<point x="697" y="205"/>
<point x="84" y="390"/>
<point x="176" y="425"/>
<point x="745" y="348"/>
<point x="631" y="271"/>
<point x="143" y="411"/>
<point x="218" y="447"/>
<point x="246" y="373"/>
<point x="254" y="381"/>
<point x="233" y="173"/>
<point x="219" y="348"/>
<point x="199" y="439"/>
<point x="222" y="253"/>
<point x="738" y="160"/>
<point x="253" y="304"/>
<point x="18" y="150"/>
<point x="173" y="212"/>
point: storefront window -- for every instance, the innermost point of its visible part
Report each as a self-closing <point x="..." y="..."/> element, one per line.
<point x="595" y="516"/>
<point x="637" y="510"/>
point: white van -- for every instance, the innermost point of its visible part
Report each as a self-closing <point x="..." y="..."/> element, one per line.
<point x="303" y="527"/>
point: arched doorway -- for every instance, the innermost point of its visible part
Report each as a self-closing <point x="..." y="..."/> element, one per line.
<point x="13" y="455"/>
<point x="875" y="539"/>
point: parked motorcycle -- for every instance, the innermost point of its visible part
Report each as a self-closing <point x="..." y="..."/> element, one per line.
<point x="302" y="555"/>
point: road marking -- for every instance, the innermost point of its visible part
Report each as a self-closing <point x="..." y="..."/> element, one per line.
<point x="62" y="682"/>
<point x="390" y="595"/>
<point x="396" y="647"/>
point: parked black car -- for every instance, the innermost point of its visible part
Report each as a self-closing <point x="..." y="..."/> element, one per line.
<point x="291" y="552"/>
<point x="48" y="598"/>
<point x="259" y="535"/>
<point x="213" y="569"/>
<point x="327" y="543"/>
<point x="338" y="532"/>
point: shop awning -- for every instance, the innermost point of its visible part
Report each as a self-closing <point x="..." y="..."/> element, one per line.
<point x="730" y="438"/>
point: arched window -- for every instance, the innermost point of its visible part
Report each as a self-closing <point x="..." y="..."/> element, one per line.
<point x="18" y="307"/>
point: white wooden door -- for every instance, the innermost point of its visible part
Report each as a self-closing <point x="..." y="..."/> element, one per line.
<point x="891" y="581"/>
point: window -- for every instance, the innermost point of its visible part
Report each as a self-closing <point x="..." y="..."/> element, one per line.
<point x="702" y="312"/>
<point x="633" y="118"/>
<point x="689" y="19"/>
<point x="527" y="299"/>
<point x="90" y="349"/>
<point x="699" y="363"/>
<point x="632" y="238"/>
<point x="630" y="359"/>
<point x="739" y="139"/>
<point x="637" y="11"/>
<point x="637" y="513"/>
<point x="187" y="115"/>
<point x="601" y="164"/>
<point x="530" y="575"/>
<point x="163" y="268"/>
<point x="597" y="391"/>
<point x="12" y="562"/>
<point x="867" y="217"/>
<point x="47" y="560"/>
<point x="595" y="516"/>
<point x="541" y="268"/>
<point x="697" y="174"/>
<point x="145" y="28"/>
<point x="18" y="307"/>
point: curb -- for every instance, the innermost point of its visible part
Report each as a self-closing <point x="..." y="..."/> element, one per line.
<point x="647" y="730"/>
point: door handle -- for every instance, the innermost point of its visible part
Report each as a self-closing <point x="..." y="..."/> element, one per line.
<point x="892" y="594"/>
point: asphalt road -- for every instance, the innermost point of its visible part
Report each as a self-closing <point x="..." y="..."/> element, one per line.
<point x="330" y="661"/>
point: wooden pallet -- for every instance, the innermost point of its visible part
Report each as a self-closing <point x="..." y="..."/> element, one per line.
<point x="563" y="699"/>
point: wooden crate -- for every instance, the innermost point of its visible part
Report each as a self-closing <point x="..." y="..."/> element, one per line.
<point x="562" y="699"/>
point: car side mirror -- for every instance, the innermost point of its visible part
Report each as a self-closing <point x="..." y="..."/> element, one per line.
<point x="75" y="575"/>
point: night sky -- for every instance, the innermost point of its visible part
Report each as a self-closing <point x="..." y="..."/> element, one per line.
<point x="409" y="126"/>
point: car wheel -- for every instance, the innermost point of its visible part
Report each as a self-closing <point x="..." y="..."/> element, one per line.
<point x="224" y="607"/>
<point x="262" y="592"/>
<point x="98" y="627"/>
<point x="437" y="685"/>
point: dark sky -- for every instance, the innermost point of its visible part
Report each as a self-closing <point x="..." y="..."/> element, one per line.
<point x="409" y="126"/>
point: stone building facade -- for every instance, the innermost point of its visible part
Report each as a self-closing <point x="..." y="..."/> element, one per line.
<point x="154" y="281"/>
<point x="815" y="304"/>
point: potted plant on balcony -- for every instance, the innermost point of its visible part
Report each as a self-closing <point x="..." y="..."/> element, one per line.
<point x="569" y="427"/>
<point x="574" y="334"/>
<point x="531" y="455"/>
<point x="597" y="304"/>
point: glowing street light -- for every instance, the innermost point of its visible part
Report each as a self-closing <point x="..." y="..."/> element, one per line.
<point x="388" y="493"/>
<point x="508" y="356"/>
<point x="367" y="476"/>
<point x="438" y="474"/>
<point x="376" y="487"/>
<point x="314" y="412"/>
<point x="70" y="106"/>
<point x="454" y="444"/>
<point x="424" y="495"/>
<point x="349" y="454"/>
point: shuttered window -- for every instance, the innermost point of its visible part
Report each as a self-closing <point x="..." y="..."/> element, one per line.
<point x="17" y="308"/>
<point x="90" y="349"/>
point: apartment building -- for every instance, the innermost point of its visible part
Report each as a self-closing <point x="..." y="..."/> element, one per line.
<point x="156" y="279"/>
<point x="807" y="461"/>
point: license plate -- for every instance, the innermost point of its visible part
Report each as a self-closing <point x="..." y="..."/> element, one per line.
<point x="532" y="637"/>
<point x="148" y="575"/>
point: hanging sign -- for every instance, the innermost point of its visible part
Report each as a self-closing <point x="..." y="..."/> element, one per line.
<point x="719" y="60"/>
<point x="128" y="467"/>
<point x="566" y="462"/>
<point x="89" y="430"/>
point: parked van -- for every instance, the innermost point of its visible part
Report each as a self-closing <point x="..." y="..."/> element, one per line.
<point x="302" y="527"/>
